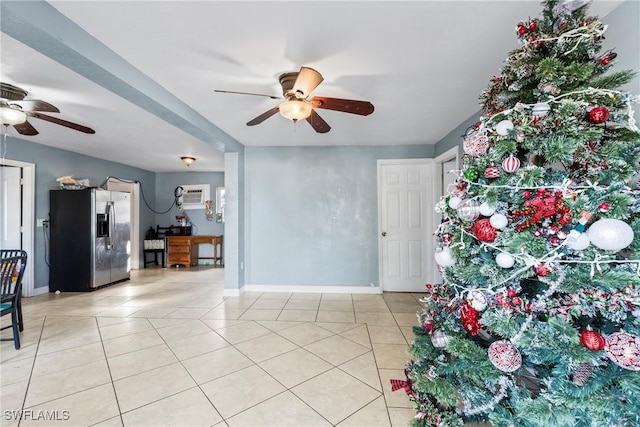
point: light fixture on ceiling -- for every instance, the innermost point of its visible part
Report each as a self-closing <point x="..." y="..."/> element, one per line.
<point x="188" y="160"/>
<point x="11" y="116"/>
<point x="295" y="110"/>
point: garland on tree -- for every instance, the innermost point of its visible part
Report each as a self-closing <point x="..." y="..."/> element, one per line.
<point x="536" y="322"/>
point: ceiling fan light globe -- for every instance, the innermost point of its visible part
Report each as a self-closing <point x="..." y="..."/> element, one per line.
<point x="12" y="116"/>
<point x="295" y="110"/>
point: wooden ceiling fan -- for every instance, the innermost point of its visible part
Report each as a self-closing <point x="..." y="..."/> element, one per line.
<point x="297" y="105"/>
<point x="14" y="110"/>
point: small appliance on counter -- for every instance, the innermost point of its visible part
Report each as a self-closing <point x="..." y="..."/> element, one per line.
<point x="90" y="239"/>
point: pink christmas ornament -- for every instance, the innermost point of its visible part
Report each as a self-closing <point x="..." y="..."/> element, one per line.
<point x="511" y="164"/>
<point x="504" y="356"/>
<point x="624" y="350"/>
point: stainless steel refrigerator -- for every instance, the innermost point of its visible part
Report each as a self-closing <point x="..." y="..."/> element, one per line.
<point x="90" y="244"/>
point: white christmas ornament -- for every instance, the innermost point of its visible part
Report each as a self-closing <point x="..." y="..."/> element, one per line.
<point x="444" y="257"/>
<point x="610" y="234"/>
<point x="579" y="243"/>
<point x="454" y="202"/>
<point x="541" y="109"/>
<point x="486" y="209"/>
<point x="477" y="299"/>
<point x="468" y="210"/>
<point x="504" y="127"/>
<point x="498" y="221"/>
<point x="439" y="339"/>
<point x="505" y="260"/>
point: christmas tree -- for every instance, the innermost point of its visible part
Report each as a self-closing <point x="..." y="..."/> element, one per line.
<point x="537" y="321"/>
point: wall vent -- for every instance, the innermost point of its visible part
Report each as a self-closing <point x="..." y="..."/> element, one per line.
<point x="194" y="196"/>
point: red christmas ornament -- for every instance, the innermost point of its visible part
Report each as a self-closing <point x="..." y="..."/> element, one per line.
<point x="592" y="340"/>
<point x="522" y="30"/>
<point x="511" y="164"/>
<point x="484" y="231"/>
<point x="604" y="207"/>
<point x="541" y="270"/>
<point x="533" y="26"/>
<point x="598" y="115"/>
<point x="469" y="317"/>
<point x="492" y="172"/>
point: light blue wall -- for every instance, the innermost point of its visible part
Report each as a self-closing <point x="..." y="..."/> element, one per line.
<point x="312" y="214"/>
<point x="52" y="163"/>
<point x="166" y="184"/>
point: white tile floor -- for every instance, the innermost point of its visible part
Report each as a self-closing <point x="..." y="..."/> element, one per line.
<point x="167" y="349"/>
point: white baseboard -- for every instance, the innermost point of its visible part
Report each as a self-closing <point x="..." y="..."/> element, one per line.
<point x="41" y="290"/>
<point x="233" y="292"/>
<point x="315" y="289"/>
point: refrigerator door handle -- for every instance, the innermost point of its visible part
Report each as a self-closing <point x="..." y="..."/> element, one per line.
<point x="110" y="225"/>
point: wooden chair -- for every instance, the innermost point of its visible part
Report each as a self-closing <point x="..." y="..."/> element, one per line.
<point x="8" y="253"/>
<point x="11" y="272"/>
<point x="156" y="246"/>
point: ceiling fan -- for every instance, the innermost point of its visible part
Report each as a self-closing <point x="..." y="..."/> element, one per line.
<point x="296" y="88"/>
<point x="14" y="110"/>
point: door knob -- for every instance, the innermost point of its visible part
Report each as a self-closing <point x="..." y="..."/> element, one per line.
<point x="384" y="234"/>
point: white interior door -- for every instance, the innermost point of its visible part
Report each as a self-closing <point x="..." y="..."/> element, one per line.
<point x="10" y="208"/>
<point x="405" y="189"/>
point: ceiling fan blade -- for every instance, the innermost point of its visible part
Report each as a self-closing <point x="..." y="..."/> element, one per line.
<point x="318" y="123"/>
<point x="61" y="122"/>
<point x="36" y="105"/>
<point x="25" y="129"/>
<point x="247" y="93"/>
<point x="308" y="79"/>
<point x="262" y="117"/>
<point x="363" y="108"/>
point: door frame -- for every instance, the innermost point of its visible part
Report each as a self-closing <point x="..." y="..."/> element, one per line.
<point x="430" y="200"/>
<point x="28" y="220"/>
<point x="451" y="154"/>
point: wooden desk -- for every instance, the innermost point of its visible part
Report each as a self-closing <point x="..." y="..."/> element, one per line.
<point x="183" y="250"/>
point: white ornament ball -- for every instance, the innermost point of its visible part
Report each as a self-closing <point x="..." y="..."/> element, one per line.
<point x="486" y="209"/>
<point x="504" y="127"/>
<point x="498" y="221"/>
<point x="454" y="202"/>
<point x="439" y="339"/>
<point x="579" y="243"/>
<point x="505" y="260"/>
<point x="541" y="109"/>
<point x="610" y="234"/>
<point x="444" y="257"/>
<point x="468" y="210"/>
<point x="477" y="299"/>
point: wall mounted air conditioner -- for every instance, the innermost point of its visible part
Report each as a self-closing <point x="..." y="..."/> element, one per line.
<point x="194" y="196"/>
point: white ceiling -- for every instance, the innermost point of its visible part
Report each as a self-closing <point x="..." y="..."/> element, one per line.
<point x="422" y="64"/>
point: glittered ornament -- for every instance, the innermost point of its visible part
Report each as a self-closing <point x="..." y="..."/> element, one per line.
<point x="541" y="270"/>
<point x="504" y="356"/>
<point x="582" y="374"/>
<point x="444" y="257"/>
<point x="471" y="174"/>
<point x="492" y="172"/>
<point x="610" y="234"/>
<point x="484" y="231"/>
<point x="592" y="340"/>
<point x="511" y="164"/>
<point x="439" y="339"/>
<point x="470" y="317"/>
<point x="624" y="350"/>
<point x="469" y="210"/>
<point x="598" y="115"/>
<point x="475" y="144"/>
